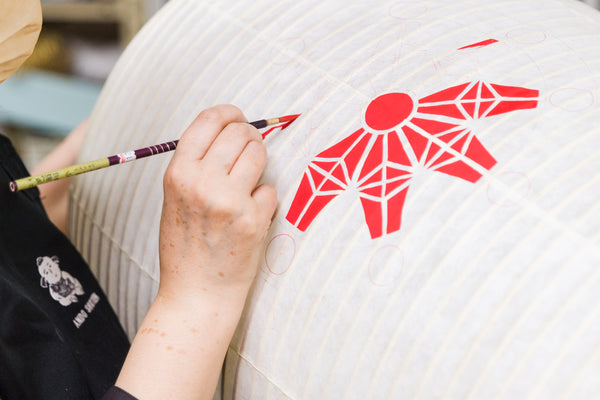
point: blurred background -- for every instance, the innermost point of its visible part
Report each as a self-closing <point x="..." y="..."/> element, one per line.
<point x="57" y="87"/>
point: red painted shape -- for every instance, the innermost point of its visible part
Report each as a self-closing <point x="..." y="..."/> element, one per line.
<point x="373" y="215"/>
<point x="460" y="169"/>
<point x="316" y="175"/>
<point x="391" y="186"/>
<point x="394" y="211"/>
<point x="336" y="151"/>
<point x="375" y="191"/>
<point x="486" y="93"/>
<point x="515" y="91"/>
<point x="356" y="152"/>
<point x="432" y="126"/>
<point x="479" y="154"/>
<point x="417" y="141"/>
<point x="395" y="172"/>
<point x="449" y="110"/>
<point x="330" y="185"/>
<point x="479" y="44"/>
<point x="388" y="110"/>
<point x="433" y="142"/>
<point x="473" y="93"/>
<point x="433" y="149"/>
<point x="376" y="177"/>
<point x="374" y="158"/>
<point x="396" y="153"/>
<point x="460" y="143"/>
<point x="326" y="165"/>
<point x="469" y="108"/>
<point x="314" y="208"/>
<point x="447" y="138"/>
<point x="440" y="158"/>
<point x="338" y="172"/>
<point x="449" y="94"/>
<point x="483" y="107"/>
<point x="303" y="196"/>
<point x="508" y="106"/>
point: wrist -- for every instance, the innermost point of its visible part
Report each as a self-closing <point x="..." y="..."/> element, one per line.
<point x="180" y="346"/>
<point x="228" y="300"/>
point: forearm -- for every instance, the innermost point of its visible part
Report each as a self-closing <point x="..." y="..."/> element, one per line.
<point x="180" y="347"/>
<point x="214" y="221"/>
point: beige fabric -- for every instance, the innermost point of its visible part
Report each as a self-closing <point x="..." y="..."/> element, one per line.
<point x="489" y="289"/>
<point x="20" y="25"/>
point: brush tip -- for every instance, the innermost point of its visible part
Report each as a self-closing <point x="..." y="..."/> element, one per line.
<point x="289" y="118"/>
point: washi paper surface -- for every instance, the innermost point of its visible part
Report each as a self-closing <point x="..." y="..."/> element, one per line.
<point x="438" y="228"/>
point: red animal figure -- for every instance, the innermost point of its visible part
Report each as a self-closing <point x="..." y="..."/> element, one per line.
<point x="399" y="135"/>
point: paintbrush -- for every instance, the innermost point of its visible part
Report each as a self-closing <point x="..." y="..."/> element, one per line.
<point x="32" y="181"/>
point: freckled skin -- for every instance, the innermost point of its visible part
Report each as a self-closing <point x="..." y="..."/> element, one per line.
<point x="214" y="220"/>
<point x="149" y="331"/>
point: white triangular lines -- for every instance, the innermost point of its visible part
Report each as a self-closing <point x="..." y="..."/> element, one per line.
<point x="445" y="147"/>
<point x="457" y="128"/>
<point x="442" y="151"/>
<point x="328" y="177"/>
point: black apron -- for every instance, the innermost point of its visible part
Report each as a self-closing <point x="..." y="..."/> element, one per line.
<point x="59" y="336"/>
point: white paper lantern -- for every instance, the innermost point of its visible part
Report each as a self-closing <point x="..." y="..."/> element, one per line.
<point x="439" y="226"/>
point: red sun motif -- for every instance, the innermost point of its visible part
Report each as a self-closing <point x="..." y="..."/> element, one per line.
<point x="399" y="135"/>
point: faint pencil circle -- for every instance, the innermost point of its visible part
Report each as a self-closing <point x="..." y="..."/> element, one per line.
<point x="287" y="50"/>
<point x="386" y="265"/>
<point x="519" y="184"/>
<point x="526" y="35"/>
<point x="407" y="10"/>
<point x="572" y="99"/>
<point x="280" y="253"/>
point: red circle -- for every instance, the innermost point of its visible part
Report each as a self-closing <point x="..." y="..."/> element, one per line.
<point x="388" y="110"/>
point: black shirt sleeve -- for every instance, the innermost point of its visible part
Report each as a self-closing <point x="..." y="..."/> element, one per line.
<point x="116" y="393"/>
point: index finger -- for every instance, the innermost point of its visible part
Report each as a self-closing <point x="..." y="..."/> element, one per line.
<point x="199" y="136"/>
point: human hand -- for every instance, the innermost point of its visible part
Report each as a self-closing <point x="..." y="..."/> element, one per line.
<point x="214" y="220"/>
<point x="214" y="217"/>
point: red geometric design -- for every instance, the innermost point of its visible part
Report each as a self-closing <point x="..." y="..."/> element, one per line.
<point x="401" y="134"/>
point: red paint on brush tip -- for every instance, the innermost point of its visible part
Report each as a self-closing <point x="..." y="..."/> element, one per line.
<point x="284" y="122"/>
<point x="290" y="118"/>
